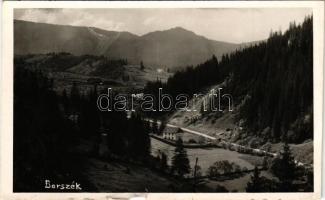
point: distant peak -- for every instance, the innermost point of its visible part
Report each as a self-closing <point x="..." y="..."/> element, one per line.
<point x="178" y="28"/>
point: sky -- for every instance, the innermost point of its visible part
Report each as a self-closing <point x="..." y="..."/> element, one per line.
<point x="229" y="25"/>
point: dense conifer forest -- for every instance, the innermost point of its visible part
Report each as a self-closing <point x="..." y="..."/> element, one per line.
<point x="45" y="133"/>
<point x="273" y="77"/>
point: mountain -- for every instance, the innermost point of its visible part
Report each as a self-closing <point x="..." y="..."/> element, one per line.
<point x="30" y="37"/>
<point x="180" y="47"/>
<point x="270" y="84"/>
<point x="170" y="48"/>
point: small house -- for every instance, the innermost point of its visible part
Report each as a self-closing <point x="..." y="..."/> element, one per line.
<point x="172" y="133"/>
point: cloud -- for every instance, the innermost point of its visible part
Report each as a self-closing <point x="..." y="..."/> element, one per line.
<point x="49" y="10"/>
<point x="149" y="21"/>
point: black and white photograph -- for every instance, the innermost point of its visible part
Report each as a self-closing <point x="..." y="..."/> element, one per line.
<point x="164" y="100"/>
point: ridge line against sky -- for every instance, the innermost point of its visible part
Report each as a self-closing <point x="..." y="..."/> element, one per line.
<point x="121" y="31"/>
<point x="228" y="25"/>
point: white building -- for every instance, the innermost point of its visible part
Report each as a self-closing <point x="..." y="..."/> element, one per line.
<point x="171" y="133"/>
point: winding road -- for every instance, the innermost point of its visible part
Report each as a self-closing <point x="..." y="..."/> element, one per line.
<point x="298" y="163"/>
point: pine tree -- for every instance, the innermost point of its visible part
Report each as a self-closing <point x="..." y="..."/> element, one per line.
<point x="162" y="127"/>
<point x="202" y="111"/>
<point x="137" y="137"/>
<point x="254" y="185"/>
<point x="285" y="169"/>
<point x="146" y="125"/>
<point x="180" y="161"/>
<point x="141" y="66"/>
<point x="154" y="126"/>
<point x="65" y="101"/>
<point x="75" y="97"/>
<point x="163" y="161"/>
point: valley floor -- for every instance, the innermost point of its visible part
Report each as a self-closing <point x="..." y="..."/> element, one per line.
<point x="125" y="177"/>
<point x="121" y="176"/>
<point x="116" y="175"/>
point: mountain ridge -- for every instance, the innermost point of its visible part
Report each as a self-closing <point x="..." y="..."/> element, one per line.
<point x="173" y="47"/>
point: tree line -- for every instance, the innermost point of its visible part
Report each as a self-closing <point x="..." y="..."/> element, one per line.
<point x="42" y="136"/>
<point x="48" y="126"/>
<point x="63" y="61"/>
<point x="274" y="79"/>
<point x="287" y="176"/>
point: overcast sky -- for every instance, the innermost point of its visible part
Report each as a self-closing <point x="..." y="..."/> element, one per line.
<point x="230" y="25"/>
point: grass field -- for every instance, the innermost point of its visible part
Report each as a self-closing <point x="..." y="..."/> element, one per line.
<point x="302" y="152"/>
<point x="235" y="185"/>
<point x="207" y="156"/>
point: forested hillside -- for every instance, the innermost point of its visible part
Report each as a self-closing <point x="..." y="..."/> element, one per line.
<point x="66" y="62"/>
<point x="278" y="77"/>
<point x="274" y="79"/>
<point x="48" y="128"/>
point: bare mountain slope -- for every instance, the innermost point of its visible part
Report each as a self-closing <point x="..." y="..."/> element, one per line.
<point x="170" y="48"/>
<point x="30" y="37"/>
